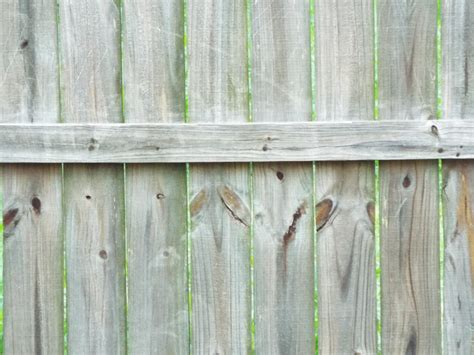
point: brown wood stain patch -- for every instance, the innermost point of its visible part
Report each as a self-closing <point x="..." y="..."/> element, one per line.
<point x="198" y="202"/>
<point x="234" y="205"/>
<point x="323" y="212"/>
<point x="9" y="216"/>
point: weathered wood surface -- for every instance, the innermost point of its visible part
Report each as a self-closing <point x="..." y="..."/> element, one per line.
<point x="219" y="194"/>
<point x="409" y="190"/>
<point x="345" y="192"/>
<point x="156" y="194"/>
<point x="33" y="251"/>
<point x="458" y="180"/>
<point x="33" y="260"/>
<point x="260" y="142"/>
<point x="283" y="242"/>
<point x="93" y="194"/>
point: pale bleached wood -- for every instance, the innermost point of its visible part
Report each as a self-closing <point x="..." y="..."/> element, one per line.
<point x="345" y="192"/>
<point x="95" y="259"/>
<point x="409" y="190"/>
<point x="458" y="197"/>
<point x="156" y="194"/>
<point x="283" y="244"/>
<point x="458" y="180"/>
<point x="33" y="260"/>
<point x="28" y="62"/>
<point x="33" y="252"/>
<point x="157" y="282"/>
<point x="153" y="54"/>
<point x="93" y="194"/>
<point x="219" y="194"/>
<point x="261" y="142"/>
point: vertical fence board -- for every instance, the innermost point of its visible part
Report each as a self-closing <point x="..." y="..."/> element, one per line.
<point x="33" y="260"/>
<point x="95" y="255"/>
<point x="345" y="191"/>
<point x="156" y="194"/>
<point x="284" y="270"/>
<point x="219" y="194"/>
<point x="33" y="252"/>
<point x="458" y="182"/>
<point x="409" y="190"/>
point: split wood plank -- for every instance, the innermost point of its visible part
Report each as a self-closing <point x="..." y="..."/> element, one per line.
<point x="283" y="244"/>
<point x="93" y="194"/>
<point x="260" y="142"/>
<point x="458" y="180"/>
<point x="33" y="245"/>
<point x="409" y="189"/>
<point x="219" y="194"/>
<point x="345" y="191"/>
<point x="155" y="194"/>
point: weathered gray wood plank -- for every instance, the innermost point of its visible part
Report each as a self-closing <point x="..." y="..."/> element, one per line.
<point x="28" y="81"/>
<point x="458" y="180"/>
<point x="95" y="259"/>
<point x="33" y="252"/>
<point x="409" y="190"/>
<point x="345" y="192"/>
<point x="157" y="282"/>
<point x="33" y="260"/>
<point x="95" y="248"/>
<point x="156" y="194"/>
<point x="219" y="194"/>
<point x="458" y="200"/>
<point x="283" y="246"/>
<point x="172" y="143"/>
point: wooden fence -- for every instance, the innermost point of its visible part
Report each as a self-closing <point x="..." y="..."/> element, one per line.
<point x="237" y="225"/>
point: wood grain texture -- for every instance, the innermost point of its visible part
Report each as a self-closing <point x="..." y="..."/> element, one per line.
<point x="283" y="246"/>
<point x="95" y="259"/>
<point x="409" y="190"/>
<point x="94" y="217"/>
<point x="345" y="192"/>
<point x="29" y="76"/>
<point x="259" y="142"/>
<point x="33" y="251"/>
<point x="458" y="200"/>
<point x="156" y="194"/>
<point x="33" y="260"/>
<point x="157" y="282"/>
<point x="219" y="194"/>
<point x="458" y="180"/>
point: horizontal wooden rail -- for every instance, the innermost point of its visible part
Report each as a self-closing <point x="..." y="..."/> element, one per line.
<point x="178" y="143"/>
